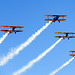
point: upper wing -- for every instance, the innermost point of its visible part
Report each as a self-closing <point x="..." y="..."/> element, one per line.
<point x="54" y="20"/>
<point x="12" y="26"/>
<point x="60" y="32"/>
<point x="62" y="15"/>
<point x="71" y="51"/>
<point x="64" y="33"/>
<point x="56" y="15"/>
<point x="49" y="15"/>
<point x="65" y="36"/>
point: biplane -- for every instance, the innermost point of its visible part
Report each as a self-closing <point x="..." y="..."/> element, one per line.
<point x="56" y="18"/>
<point x="73" y="55"/>
<point x="65" y="36"/>
<point x="12" y="29"/>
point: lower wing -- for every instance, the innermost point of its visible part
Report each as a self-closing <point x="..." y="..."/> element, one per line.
<point x="18" y="31"/>
<point x="65" y="36"/>
<point x="73" y="55"/>
<point x="6" y="30"/>
<point x="12" y="31"/>
<point x="54" y="20"/>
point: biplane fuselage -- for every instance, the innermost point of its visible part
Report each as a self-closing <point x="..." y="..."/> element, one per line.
<point x="12" y="29"/>
<point x="55" y="19"/>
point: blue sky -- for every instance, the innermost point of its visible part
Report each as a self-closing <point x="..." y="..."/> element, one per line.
<point x="30" y="14"/>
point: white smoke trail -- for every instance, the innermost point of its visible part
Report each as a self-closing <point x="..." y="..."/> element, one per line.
<point x="4" y="36"/>
<point x="31" y="63"/>
<point x="65" y="64"/>
<point x="16" y="51"/>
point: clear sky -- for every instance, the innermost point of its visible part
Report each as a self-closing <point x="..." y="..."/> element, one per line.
<point x="30" y="14"/>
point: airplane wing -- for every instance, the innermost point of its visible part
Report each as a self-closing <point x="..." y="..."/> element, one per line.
<point x="60" y="37"/>
<point x="60" y="33"/>
<point x="64" y="33"/>
<point x="18" y="31"/>
<point x="54" y="20"/>
<point x="61" y="19"/>
<point x="6" y="30"/>
<point x="49" y="15"/>
<point x="65" y="36"/>
<point x="62" y="15"/>
<point x="49" y="20"/>
<point x="56" y="15"/>
<point x="73" y="55"/>
<point x="71" y="51"/>
<point x="12" y="31"/>
<point x="12" y="26"/>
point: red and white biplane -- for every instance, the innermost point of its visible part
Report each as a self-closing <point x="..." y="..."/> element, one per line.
<point x="73" y="55"/>
<point x="12" y="29"/>
<point x="56" y="18"/>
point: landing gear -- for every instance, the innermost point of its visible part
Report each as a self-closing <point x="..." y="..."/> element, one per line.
<point x="59" y="21"/>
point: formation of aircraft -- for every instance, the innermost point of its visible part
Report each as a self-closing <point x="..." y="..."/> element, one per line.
<point x="12" y="29"/>
<point x="65" y="36"/>
<point x="56" y="18"/>
<point x="73" y="55"/>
